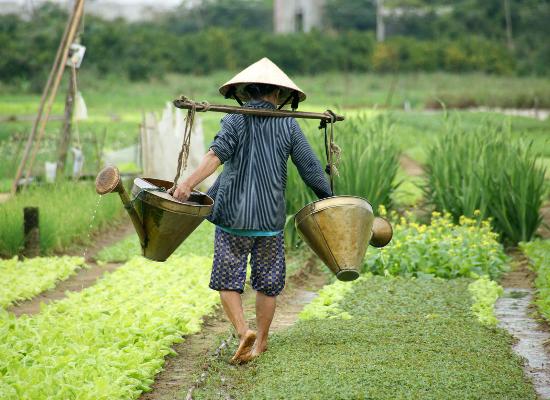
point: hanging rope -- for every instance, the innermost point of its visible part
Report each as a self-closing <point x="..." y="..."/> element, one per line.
<point x="189" y="122"/>
<point x="332" y="150"/>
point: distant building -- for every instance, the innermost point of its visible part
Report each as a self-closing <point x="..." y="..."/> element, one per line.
<point x="297" y="15"/>
<point x="131" y="10"/>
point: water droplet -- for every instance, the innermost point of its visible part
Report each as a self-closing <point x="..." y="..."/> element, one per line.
<point x="90" y="226"/>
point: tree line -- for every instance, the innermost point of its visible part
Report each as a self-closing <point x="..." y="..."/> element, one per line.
<point x="223" y="34"/>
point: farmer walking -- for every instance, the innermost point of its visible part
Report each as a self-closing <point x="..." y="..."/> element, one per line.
<point x="249" y="210"/>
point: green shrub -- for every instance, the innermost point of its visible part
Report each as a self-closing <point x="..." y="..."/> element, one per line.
<point x="485" y="169"/>
<point x="442" y="249"/>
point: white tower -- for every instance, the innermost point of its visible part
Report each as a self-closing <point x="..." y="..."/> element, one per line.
<point x="297" y="15"/>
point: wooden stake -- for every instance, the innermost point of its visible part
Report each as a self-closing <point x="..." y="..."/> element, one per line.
<point x="31" y="232"/>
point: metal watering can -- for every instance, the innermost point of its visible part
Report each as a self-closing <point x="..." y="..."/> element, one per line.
<point x="161" y="222"/>
<point x="339" y="229"/>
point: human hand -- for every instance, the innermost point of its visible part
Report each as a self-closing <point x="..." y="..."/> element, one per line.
<point x="182" y="192"/>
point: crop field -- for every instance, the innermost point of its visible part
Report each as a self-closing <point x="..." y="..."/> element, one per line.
<point x="466" y="191"/>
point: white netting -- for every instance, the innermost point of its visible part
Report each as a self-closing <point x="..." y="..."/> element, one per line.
<point x="126" y="159"/>
<point x="161" y="142"/>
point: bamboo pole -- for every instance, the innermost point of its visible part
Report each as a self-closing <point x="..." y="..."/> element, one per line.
<point x="45" y="92"/>
<point x="188" y="104"/>
<point x="66" y="130"/>
<point x="75" y="22"/>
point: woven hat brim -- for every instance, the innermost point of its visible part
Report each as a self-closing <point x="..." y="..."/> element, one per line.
<point x="266" y="72"/>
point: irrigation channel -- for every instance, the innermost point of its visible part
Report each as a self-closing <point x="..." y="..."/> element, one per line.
<point x="516" y="314"/>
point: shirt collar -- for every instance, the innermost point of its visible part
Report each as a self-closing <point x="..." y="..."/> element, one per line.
<point x="259" y="104"/>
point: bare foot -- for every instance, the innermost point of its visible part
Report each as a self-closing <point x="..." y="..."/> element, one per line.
<point x="245" y="345"/>
<point x="255" y="352"/>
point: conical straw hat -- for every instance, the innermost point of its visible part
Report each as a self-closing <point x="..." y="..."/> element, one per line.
<point x="263" y="71"/>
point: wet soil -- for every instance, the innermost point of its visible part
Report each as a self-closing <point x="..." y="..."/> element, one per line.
<point x="190" y="365"/>
<point x="517" y="315"/>
<point x="521" y="276"/>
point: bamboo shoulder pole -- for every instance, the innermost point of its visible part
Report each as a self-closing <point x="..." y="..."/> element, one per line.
<point x="203" y="106"/>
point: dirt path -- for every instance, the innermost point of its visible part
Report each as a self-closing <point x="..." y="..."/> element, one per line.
<point x="181" y="371"/>
<point x="85" y="277"/>
<point x="100" y="240"/>
<point x="4" y="197"/>
<point x="411" y="166"/>
<point x="515" y="313"/>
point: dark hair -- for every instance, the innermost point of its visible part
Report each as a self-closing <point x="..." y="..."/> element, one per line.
<point x="259" y="90"/>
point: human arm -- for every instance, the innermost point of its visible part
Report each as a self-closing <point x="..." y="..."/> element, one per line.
<point x="309" y="167"/>
<point x="221" y="149"/>
<point x="208" y="165"/>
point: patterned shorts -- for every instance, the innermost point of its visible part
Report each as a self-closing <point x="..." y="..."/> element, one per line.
<point x="267" y="262"/>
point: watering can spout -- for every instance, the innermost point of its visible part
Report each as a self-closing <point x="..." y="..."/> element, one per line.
<point x="161" y="221"/>
<point x="108" y="181"/>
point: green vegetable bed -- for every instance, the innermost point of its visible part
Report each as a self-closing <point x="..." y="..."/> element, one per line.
<point x="29" y="277"/>
<point x="108" y="341"/>
<point x="392" y="338"/>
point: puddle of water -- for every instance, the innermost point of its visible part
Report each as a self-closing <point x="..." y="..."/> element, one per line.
<point x="91" y="226"/>
<point x="512" y="311"/>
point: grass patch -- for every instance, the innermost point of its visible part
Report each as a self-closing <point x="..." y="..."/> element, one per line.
<point x="407" y="338"/>
<point x="408" y="192"/>
<point x="66" y="212"/>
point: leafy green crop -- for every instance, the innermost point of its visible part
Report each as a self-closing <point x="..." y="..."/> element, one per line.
<point x="442" y="249"/>
<point x="539" y="253"/>
<point x="25" y="279"/>
<point x="326" y="305"/>
<point x="485" y="293"/>
<point x="200" y="243"/>
<point x="107" y="341"/>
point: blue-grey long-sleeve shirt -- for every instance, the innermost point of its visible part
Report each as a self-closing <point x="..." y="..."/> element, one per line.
<point x="250" y="192"/>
